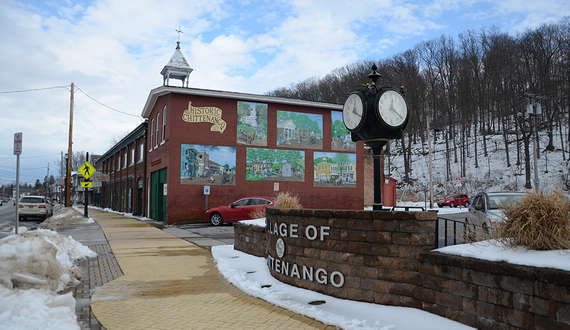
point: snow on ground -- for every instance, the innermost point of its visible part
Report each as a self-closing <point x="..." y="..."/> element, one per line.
<point x="250" y="273"/>
<point x="34" y="266"/>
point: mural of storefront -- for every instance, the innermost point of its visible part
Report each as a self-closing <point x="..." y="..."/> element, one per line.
<point x="240" y="145"/>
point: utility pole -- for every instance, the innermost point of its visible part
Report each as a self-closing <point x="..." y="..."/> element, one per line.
<point x="69" y="151"/>
<point x="534" y="109"/>
<point x="430" y="166"/>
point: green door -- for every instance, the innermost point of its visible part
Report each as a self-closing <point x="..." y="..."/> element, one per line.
<point x="158" y="180"/>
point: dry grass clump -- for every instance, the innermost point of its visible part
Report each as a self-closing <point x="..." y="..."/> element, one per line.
<point x="288" y="201"/>
<point x="285" y="200"/>
<point x="537" y="221"/>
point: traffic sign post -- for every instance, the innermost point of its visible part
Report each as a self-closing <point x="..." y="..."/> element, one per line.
<point x="206" y="193"/>
<point x="18" y="137"/>
<point x="87" y="171"/>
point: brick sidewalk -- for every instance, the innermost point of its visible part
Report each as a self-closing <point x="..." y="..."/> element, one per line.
<point x="144" y="278"/>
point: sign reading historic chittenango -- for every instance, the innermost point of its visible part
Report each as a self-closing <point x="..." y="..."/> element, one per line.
<point x="205" y="115"/>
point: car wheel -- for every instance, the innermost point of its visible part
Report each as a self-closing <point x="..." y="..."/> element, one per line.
<point x="452" y="204"/>
<point x="466" y="203"/>
<point x="216" y="219"/>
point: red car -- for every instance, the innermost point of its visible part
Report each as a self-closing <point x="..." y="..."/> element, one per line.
<point x="454" y="200"/>
<point x="238" y="210"/>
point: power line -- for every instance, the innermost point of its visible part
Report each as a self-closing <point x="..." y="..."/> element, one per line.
<point x="68" y="88"/>
<point x="106" y="106"/>
<point x="34" y="90"/>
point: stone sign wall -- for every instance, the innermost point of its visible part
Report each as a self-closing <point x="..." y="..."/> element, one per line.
<point x="384" y="257"/>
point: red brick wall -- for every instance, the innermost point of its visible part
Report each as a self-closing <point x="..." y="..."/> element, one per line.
<point x="187" y="202"/>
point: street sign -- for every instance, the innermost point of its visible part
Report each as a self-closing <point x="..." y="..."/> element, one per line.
<point x="86" y="184"/>
<point x="458" y="182"/>
<point x="206" y="190"/>
<point x="18" y="143"/>
<point x="87" y="170"/>
<point x="425" y="182"/>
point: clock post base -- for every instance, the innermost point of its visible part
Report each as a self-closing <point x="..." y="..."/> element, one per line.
<point x="376" y="145"/>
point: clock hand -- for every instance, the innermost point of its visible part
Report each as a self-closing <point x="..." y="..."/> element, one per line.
<point x="356" y="113"/>
<point x="396" y="112"/>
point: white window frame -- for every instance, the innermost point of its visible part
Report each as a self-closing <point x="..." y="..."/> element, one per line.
<point x="157" y="130"/>
<point x="118" y="165"/>
<point x="141" y="152"/>
<point x="126" y="159"/>
<point x="151" y="134"/>
<point x="132" y="156"/>
<point x="163" y="124"/>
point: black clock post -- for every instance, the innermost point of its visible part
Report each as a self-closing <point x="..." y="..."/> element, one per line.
<point x="376" y="113"/>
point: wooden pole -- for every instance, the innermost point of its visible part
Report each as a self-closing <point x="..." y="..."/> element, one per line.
<point x="69" y="151"/>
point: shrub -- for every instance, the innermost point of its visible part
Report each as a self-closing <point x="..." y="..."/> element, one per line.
<point x="285" y="200"/>
<point x="537" y="221"/>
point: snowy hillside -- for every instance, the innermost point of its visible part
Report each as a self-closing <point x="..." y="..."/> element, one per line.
<point x="492" y="174"/>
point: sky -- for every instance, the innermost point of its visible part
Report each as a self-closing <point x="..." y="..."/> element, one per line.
<point x="51" y="310"/>
<point x="113" y="51"/>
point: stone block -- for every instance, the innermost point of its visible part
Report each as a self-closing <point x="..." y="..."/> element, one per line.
<point x="462" y="289"/>
<point x="352" y="235"/>
<point x="448" y="300"/>
<point x="496" y="296"/>
<point x="379" y="237"/>
<point x="362" y="248"/>
<point x="400" y="238"/>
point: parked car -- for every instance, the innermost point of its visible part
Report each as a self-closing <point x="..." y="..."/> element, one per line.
<point x="4" y="201"/>
<point x="35" y="207"/>
<point x="454" y="200"/>
<point x="238" y="210"/>
<point x="485" y="209"/>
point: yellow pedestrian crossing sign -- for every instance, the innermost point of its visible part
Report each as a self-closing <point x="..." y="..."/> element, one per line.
<point x="86" y="170"/>
<point x="86" y="184"/>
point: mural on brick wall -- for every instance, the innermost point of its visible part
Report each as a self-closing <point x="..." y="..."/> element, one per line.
<point x="299" y="130"/>
<point x="334" y="170"/>
<point x="340" y="136"/>
<point x="207" y="165"/>
<point x="251" y="124"/>
<point x="275" y="165"/>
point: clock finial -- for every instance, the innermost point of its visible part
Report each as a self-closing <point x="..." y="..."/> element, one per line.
<point x="374" y="75"/>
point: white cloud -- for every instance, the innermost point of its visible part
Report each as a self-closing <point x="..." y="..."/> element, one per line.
<point x="114" y="51"/>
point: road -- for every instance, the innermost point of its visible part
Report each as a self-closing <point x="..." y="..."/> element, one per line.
<point x="8" y="219"/>
<point x="203" y="234"/>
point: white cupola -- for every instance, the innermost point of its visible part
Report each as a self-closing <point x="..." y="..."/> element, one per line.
<point x="177" y="68"/>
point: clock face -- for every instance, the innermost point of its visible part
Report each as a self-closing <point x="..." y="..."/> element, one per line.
<point x="352" y="111"/>
<point x="392" y="108"/>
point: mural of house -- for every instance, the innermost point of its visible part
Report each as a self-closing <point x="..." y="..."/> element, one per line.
<point x="286" y="129"/>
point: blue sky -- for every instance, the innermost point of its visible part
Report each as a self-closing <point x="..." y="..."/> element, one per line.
<point x="114" y="52"/>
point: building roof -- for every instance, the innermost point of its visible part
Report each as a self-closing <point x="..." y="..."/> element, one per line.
<point x="164" y="90"/>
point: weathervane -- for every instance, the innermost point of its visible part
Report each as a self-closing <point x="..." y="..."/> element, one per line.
<point x="179" y="31"/>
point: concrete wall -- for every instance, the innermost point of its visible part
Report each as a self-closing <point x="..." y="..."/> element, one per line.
<point x="385" y="258"/>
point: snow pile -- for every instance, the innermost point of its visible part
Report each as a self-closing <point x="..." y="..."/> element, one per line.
<point x="34" y="266"/>
<point x="65" y="216"/>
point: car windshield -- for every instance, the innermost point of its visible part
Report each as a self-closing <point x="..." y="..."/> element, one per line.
<point x="495" y="202"/>
<point x="31" y="200"/>
<point x="450" y="196"/>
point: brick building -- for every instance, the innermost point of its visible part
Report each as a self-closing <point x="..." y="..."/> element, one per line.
<point x="123" y="169"/>
<point x="241" y="145"/>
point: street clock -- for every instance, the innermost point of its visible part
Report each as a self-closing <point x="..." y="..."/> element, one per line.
<point x="376" y="113"/>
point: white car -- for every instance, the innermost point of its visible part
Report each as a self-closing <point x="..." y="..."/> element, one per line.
<point x="485" y="209"/>
<point x="35" y="207"/>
